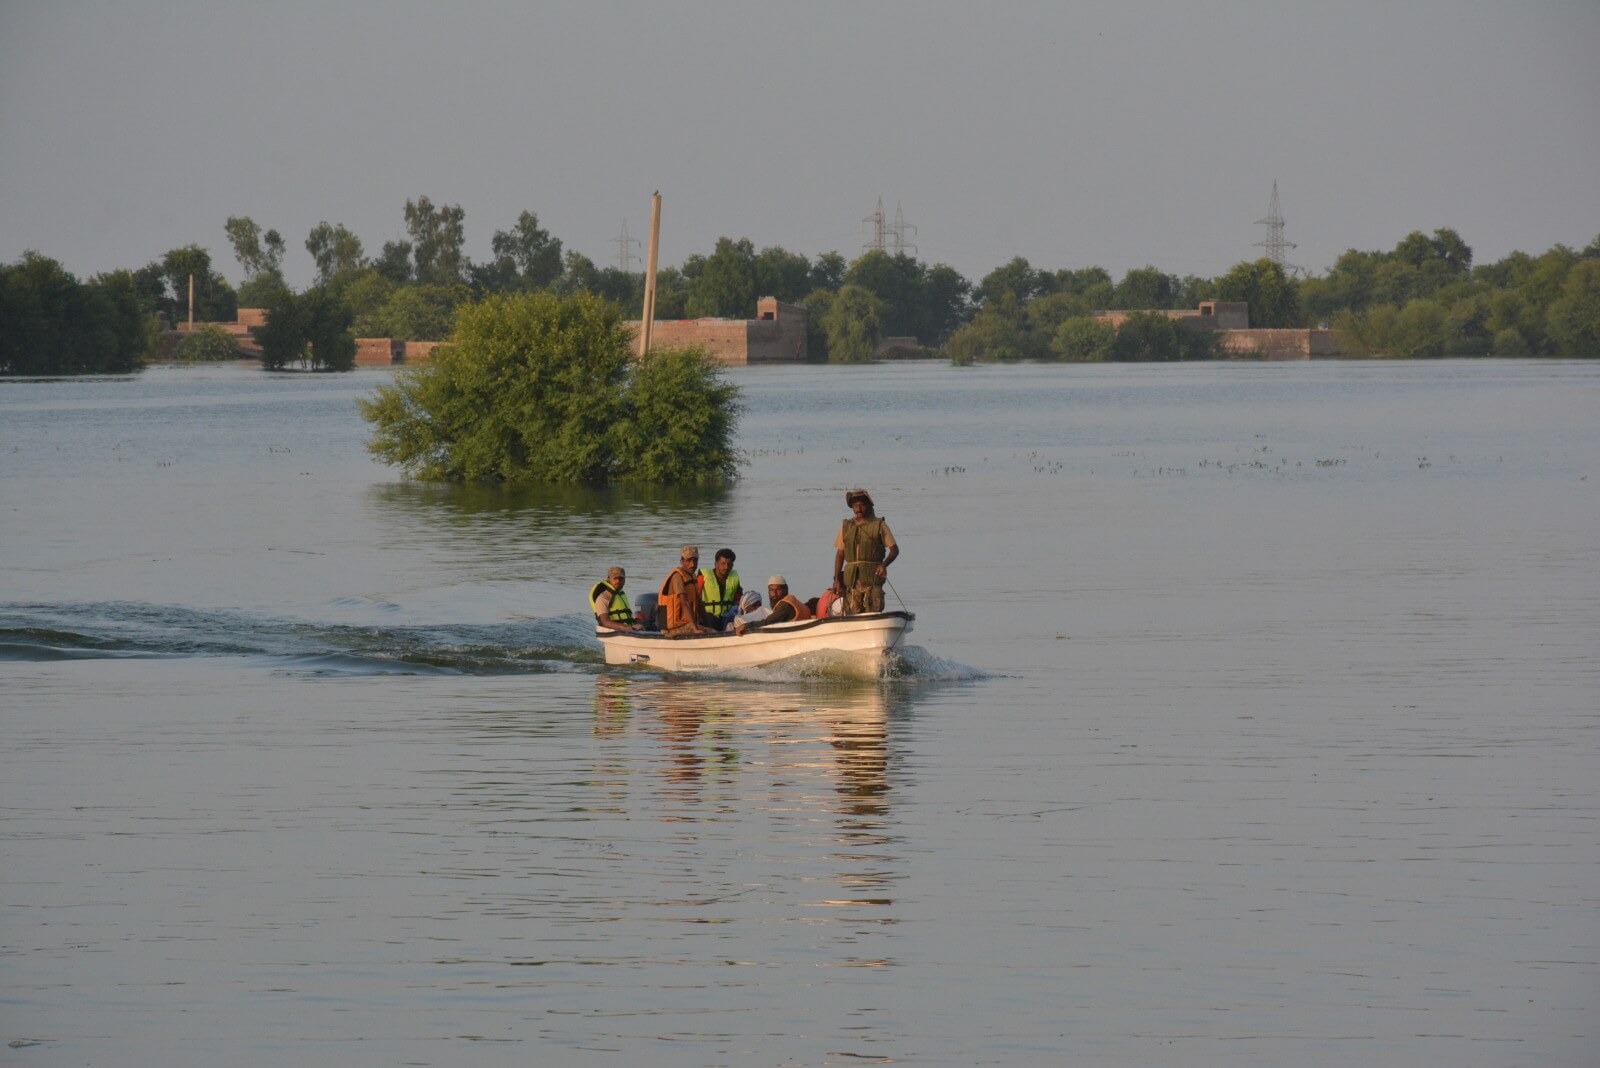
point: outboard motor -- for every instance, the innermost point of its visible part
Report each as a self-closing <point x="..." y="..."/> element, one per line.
<point x="651" y="609"/>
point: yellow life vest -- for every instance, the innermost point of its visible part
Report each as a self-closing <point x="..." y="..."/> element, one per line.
<point x="717" y="602"/>
<point x="620" y="611"/>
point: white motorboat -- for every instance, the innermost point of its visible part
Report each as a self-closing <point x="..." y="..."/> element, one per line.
<point x="873" y="636"/>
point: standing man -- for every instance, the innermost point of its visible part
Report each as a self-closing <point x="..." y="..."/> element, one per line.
<point x="681" y="596"/>
<point x="610" y="604"/>
<point x="719" y="591"/>
<point x="862" y="554"/>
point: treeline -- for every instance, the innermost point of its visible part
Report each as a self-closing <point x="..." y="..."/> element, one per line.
<point x="1424" y="298"/>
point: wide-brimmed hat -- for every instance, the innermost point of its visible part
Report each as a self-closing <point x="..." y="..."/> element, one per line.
<point x="858" y="494"/>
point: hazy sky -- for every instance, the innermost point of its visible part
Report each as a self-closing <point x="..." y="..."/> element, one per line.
<point x="1118" y="134"/>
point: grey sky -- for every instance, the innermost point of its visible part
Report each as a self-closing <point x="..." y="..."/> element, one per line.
<point x="1116" y="134"/>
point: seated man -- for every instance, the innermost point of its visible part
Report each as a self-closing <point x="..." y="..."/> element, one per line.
<point x="610" y="604"/>
<point x="784" y="607"/>
<point x="680" y="596"/>
<point x="719" y="591"/>
<point x="750" y="609"/>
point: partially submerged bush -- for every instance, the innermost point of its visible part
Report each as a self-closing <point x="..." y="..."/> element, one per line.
<point x="206" y="344"/>
<point x="539" y="388"/>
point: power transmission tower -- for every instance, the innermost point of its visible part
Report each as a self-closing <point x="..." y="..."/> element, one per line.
<point x="879" y="229"/>
<point x="1275" y="244"/>
<point x="899" y="229"/>
<point x="624" y="243"/>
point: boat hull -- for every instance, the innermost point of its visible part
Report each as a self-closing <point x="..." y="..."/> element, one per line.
<point x="872" y="635"/>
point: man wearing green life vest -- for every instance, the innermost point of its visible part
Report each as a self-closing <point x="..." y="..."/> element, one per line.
<point x="863" y="552"/>
<point x="719" y="591"/>
<point x="610" y="604"/>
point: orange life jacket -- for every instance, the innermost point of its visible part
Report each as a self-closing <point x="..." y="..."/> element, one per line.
<point x="800" y="610"/>
<point x="680" y="606"/>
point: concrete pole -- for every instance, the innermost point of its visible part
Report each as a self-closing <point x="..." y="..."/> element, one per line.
<point x="647" y="320"/>
<point x="191" y="301"/>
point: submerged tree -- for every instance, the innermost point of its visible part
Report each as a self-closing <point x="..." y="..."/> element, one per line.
<point x="312" y="328"/>
<point x="539" y="388"/>
<point x="51" y="324"/>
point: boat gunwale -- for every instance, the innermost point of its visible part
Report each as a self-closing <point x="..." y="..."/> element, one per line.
<point x="784" y="629"/>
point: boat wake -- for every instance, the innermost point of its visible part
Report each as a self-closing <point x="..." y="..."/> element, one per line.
<point x="40" y="633"/>
<point x="122" y="630"/>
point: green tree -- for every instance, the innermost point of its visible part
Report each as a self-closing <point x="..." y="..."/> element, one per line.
<point x="818" y="303"/>
<point x="1043" y="315"/>
<point x="206" y="343"/>
<point x="1093" y="284"/>
<point x="1573" y="321"/>
<point x="946" y="303"/>
<point x="902" y="284"/>
<point x="828" y="271"/>
<point x="1272" y="295"/>
<point x="726" y="286"/>
<point x="367" y="293"/>
<point x="335" y="250"/>
<point x="853" y="325"/>
<point x="526" y="257"/>
<point x="328" y="335"/>
<point x="1147" y="288"/>
<point x="52" y="324"/>
<point x="680" y="423"/>
<point x="417" y="313"/>
<point x="394" y="263"/>
<point x="283" y="336"/>
<point x="1016" y="280"/>
<point x="1084" y="339"/>
<point x="1418" y="330"/>
<point x="260" y="290"/>
<point x="672" y="295"/>
<point x="311" y="328"/>
<point x="997" y="332"/>
<point x="1509" y="343"/>
<point x="782" y="274"/>
<point x="538" y="387"/>
<point x="1148" y="336"/>
<point x="214" y="299"/>
<point x="437" y="236"/>
<point x="259" y="254"/>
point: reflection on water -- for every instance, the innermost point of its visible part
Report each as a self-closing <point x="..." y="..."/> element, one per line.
<point x="802" y="757"/>
<point x="493" y="515"/>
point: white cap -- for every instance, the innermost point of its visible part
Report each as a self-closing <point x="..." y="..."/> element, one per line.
<point x="777" y="580"/>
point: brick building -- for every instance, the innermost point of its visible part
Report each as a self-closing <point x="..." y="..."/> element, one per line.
<point x="776" y="335"/>
<point x="1230" y="320"/>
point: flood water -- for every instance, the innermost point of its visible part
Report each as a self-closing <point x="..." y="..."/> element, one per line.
<point x="1252" y="716"/>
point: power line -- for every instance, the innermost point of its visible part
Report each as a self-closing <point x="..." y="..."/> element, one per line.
<point x="899" y="228"/>
<point x="879" y="229"/>
<point x="624" y="243"/>
<point x="1275" y="243"/>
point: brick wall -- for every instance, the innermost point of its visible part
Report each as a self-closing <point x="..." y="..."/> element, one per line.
<point x="1271" y="344"/>
<point x="777" y="335"/>
<point x="378" y="351"/>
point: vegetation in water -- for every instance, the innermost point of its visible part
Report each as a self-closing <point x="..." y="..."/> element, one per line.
<point x="206" y="343"/>
<point x="53" y="324"/>
<point x="541" y="388"/>
<point x="311" y="329"/>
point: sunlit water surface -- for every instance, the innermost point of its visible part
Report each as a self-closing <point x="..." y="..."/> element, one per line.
<point x="1251" y="718"/>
